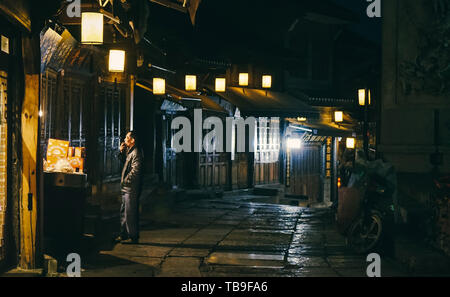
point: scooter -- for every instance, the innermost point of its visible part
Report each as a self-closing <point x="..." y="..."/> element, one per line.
<point x="368" y="229"/>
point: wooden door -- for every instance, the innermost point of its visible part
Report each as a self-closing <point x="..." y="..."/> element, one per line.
<point x="213" y="170"/>
<point x="240" y="171"/>
<point x="305" y="177"/>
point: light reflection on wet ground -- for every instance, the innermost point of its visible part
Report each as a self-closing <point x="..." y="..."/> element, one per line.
<point x="234" y="237"/>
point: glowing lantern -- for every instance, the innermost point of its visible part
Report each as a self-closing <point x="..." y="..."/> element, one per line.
<point x="362" y="97"/>
<point x="294" y="143"/>
<point x="159" y="86"/>
<point x="191" y="83"/>
<point x="243" y="79"/>
<point x="221" y="84"/>
<point x="350" y="143"/>
<point x="91" y="28"/>
<point x="267" y="81"/>
<point x="301" y="119"/>
<point x="116" y="61"/>
<point x="338" y="116"/>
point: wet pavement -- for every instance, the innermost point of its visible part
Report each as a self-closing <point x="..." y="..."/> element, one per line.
<point x="232" y="237"/>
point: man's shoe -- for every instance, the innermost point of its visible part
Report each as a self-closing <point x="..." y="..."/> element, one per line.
<point x="130" y="241"/>
<point x="119" y="239"/>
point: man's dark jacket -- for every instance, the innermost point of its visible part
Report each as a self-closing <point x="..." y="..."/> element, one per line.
<point x="132" y="171"/>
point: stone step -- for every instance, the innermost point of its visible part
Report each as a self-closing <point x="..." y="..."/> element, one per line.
<point x="266" y="191"/>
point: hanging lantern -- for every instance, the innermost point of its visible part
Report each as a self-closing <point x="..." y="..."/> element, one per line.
<point x="191" y="83"/>
<point x="221" y="84"/>
<point x="350" y="143"/>
<point x="362" y="97"/>
<point x="116" y="61"/>
<point x="338" y="116"/>
<point x="91" y="28"/>
<point x="243" y="79"/>
<point x="159" y="86"/>
<point x="267" y="81"/>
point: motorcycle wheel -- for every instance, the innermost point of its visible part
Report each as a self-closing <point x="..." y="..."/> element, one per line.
<point x="365" y="234"/>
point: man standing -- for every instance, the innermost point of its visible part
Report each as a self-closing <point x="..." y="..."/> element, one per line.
<point x="130" y="189"/>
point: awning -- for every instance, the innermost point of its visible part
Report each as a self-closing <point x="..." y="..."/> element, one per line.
<point x="256" y="102"/>
<point x="183" y="97"/>
<point x="320" y="128"/>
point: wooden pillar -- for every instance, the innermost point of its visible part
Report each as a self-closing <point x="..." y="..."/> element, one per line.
<point x="130" y="104"/>
<point x="30" y="151"/>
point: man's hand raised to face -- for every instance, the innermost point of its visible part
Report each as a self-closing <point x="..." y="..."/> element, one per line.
<point x="123" y="147"/>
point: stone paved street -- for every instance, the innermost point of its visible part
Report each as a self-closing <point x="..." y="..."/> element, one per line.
<point x="233" y="237"/>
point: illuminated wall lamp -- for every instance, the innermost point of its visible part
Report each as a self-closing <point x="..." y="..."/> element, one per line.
<point x="350" y="143"/>
<point x="159" y="86"/>
<point x="267" y="81"/>
<point x="338" y="116"/>
<point x="221" y="84"/>
<point x="91" y="28"/>
<point x="116" y="61"/>
<point x="243" y="79"/>
<point x="191" y="83"/>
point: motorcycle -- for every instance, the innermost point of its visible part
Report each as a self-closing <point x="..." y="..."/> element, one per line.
<point x="373" y="223"/>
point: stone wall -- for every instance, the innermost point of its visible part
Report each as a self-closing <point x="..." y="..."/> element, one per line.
<point x="415" y="111"/>
<point x="443" y="224"/>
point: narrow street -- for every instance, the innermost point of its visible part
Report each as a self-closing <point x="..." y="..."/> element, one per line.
<point x="233" y="237"/>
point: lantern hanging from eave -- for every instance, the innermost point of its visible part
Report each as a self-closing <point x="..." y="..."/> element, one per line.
<point x="159" y="86"/>
<point x="221" y="84"/>
<point x="91" y="28"/>
<point x="338" y="116"/>
<point x="350" y="143"/>
<point x="243" y="79"/>
<point x="267" y="81"/>
<point x="116" y="61"/>
<point x="191" y="83"/>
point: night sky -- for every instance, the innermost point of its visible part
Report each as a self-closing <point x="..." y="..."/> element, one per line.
<point x="368" y="27"/>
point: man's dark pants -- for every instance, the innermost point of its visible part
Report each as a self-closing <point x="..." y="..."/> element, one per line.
<point x="129" y="214"/>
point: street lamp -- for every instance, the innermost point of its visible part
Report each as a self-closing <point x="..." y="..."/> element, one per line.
<point x="364" y="99"/>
